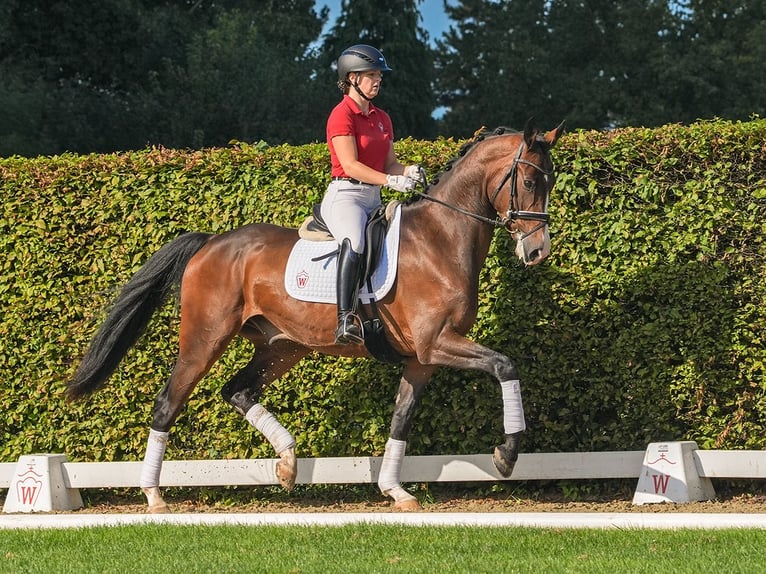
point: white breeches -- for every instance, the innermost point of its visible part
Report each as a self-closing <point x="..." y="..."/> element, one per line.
<point x="345" y="208"/>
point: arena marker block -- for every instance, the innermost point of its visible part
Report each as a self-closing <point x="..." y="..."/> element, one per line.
<point x="38" y="485"/>
<point x="669" y="474"/>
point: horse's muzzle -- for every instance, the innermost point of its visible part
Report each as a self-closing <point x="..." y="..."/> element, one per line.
<point x="534" y="248"/>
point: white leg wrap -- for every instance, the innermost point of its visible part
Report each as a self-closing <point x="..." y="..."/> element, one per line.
<point x="513" y="410"/>
<point x="391" y="470"/>
<point x="155" y="452"/>
<point x="279" y="437"/>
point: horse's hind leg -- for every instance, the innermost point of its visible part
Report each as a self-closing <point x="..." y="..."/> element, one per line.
<point x="411" y="386"/>
<point x="244" y="389"/>
<point x="167" y="407"/>
<point x="196" y="356"/>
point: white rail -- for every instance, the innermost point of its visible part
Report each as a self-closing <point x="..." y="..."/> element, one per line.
<point x="438" y="468"/>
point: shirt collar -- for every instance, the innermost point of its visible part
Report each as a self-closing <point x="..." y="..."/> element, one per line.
<point x="355" y="107"/>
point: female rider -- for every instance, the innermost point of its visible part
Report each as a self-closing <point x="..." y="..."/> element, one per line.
<point x="360" y="137"/>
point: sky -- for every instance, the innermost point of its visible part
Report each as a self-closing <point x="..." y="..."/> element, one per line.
<point x="435" y="21"/>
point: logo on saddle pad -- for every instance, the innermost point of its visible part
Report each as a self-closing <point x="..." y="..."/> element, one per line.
<point x="302" y="279"/>
<point x="314" y="281"/>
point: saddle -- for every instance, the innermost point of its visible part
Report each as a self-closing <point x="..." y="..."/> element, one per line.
<point x="314" y="228"/>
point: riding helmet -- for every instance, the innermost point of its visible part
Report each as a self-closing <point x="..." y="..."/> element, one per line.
<point x="360" y="58"/>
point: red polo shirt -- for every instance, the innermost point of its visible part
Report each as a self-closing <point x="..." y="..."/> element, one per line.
<point x="373" y="133"/>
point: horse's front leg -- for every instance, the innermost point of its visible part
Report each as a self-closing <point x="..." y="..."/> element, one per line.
<point x="456" y="351"/>
<point x="411" y="387"/>
<point x="506" y="454"/>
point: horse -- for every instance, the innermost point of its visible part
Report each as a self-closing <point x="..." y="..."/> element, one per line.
<point x="231" y="284"/>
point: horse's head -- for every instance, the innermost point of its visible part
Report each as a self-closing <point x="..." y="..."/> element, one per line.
<point x="522" y="195"/>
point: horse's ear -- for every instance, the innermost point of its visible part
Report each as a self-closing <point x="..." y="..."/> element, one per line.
<point x="553" y="136"/>
<point x="530" y="132"/>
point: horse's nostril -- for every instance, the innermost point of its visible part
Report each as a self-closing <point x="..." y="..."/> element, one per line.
<point x="533" y="255"/>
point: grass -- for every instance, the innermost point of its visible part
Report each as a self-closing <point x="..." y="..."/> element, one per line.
<point x="352" y="549"/>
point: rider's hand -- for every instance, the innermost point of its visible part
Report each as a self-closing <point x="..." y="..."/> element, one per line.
<point x="416" y="173"/>
<point x="400" y="182"/>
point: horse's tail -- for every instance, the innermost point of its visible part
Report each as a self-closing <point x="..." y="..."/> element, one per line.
<point x="139" y="299"/>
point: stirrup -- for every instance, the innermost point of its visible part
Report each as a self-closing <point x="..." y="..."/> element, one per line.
<point x="349" y="330"/>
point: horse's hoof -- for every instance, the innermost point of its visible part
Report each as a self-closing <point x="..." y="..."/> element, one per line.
<point x="154" y="502"/>
<point x="503" y="462"/>
<point x="403" y="500"/>
<point x="410" y="505"/>
<point x="158" y="509"/>
<point x="287" y="470"/>
<point x="285" y="476"/>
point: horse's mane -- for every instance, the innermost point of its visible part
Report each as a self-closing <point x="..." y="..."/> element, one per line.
<point x="479" y="136"/>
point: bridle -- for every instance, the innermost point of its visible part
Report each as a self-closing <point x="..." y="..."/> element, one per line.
<point x="513" y="199"/>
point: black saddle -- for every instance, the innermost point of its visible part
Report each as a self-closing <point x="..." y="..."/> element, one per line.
<point x="374" y="235"/>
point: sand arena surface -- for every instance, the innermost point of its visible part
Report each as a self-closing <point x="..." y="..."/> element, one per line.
<point x="455" y="500"/>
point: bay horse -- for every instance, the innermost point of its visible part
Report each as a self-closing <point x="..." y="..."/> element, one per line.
<point x="232" y="284"/>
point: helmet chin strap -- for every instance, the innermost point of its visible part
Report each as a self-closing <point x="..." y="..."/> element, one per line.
<point x="359" y="90"/>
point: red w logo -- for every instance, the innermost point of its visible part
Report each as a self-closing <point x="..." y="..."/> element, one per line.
<point x="28" y="494"/>
<point x="660" y="482"/>
<point x="28" y="490"/>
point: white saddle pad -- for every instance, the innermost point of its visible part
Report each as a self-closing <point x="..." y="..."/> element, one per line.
<point x="314" y="281"/>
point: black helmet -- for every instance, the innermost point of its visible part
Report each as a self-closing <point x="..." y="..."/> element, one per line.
<point x="360" y="58"/>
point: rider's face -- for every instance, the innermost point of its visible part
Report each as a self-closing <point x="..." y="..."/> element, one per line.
<point x="369" y="82"/>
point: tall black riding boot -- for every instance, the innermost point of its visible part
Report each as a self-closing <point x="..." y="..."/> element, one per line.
<point x="349" y="270"/>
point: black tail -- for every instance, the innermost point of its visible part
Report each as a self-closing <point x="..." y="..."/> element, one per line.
<point x="131" y="311"/>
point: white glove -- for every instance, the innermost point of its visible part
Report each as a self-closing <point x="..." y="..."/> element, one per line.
<point x="400" y="182"/>
<point x="416" y="173"/>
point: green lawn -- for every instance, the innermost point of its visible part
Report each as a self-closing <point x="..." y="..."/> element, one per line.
<point x="151" y="549"/>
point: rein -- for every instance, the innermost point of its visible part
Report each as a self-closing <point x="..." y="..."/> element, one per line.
<point x="511" y="214"/>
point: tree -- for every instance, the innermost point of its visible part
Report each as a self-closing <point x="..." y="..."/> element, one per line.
<point x="245" y="77"/>
<point x="719" y="63"/>
<point x="601" y="63"/>
<point x="105" y="75"/>
<point x="392" y="27"/>
<point x="493" y="69"/>
<point x="607" y="57"/>
<point x="64" y="65"/>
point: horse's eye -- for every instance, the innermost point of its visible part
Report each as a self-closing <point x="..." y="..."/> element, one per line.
<point x="529" y="183"/>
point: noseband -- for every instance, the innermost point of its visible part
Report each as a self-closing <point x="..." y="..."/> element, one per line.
<point x="513" y="199"/>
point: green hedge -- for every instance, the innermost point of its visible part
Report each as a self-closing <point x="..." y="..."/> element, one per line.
<point x="646" y="322"/>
